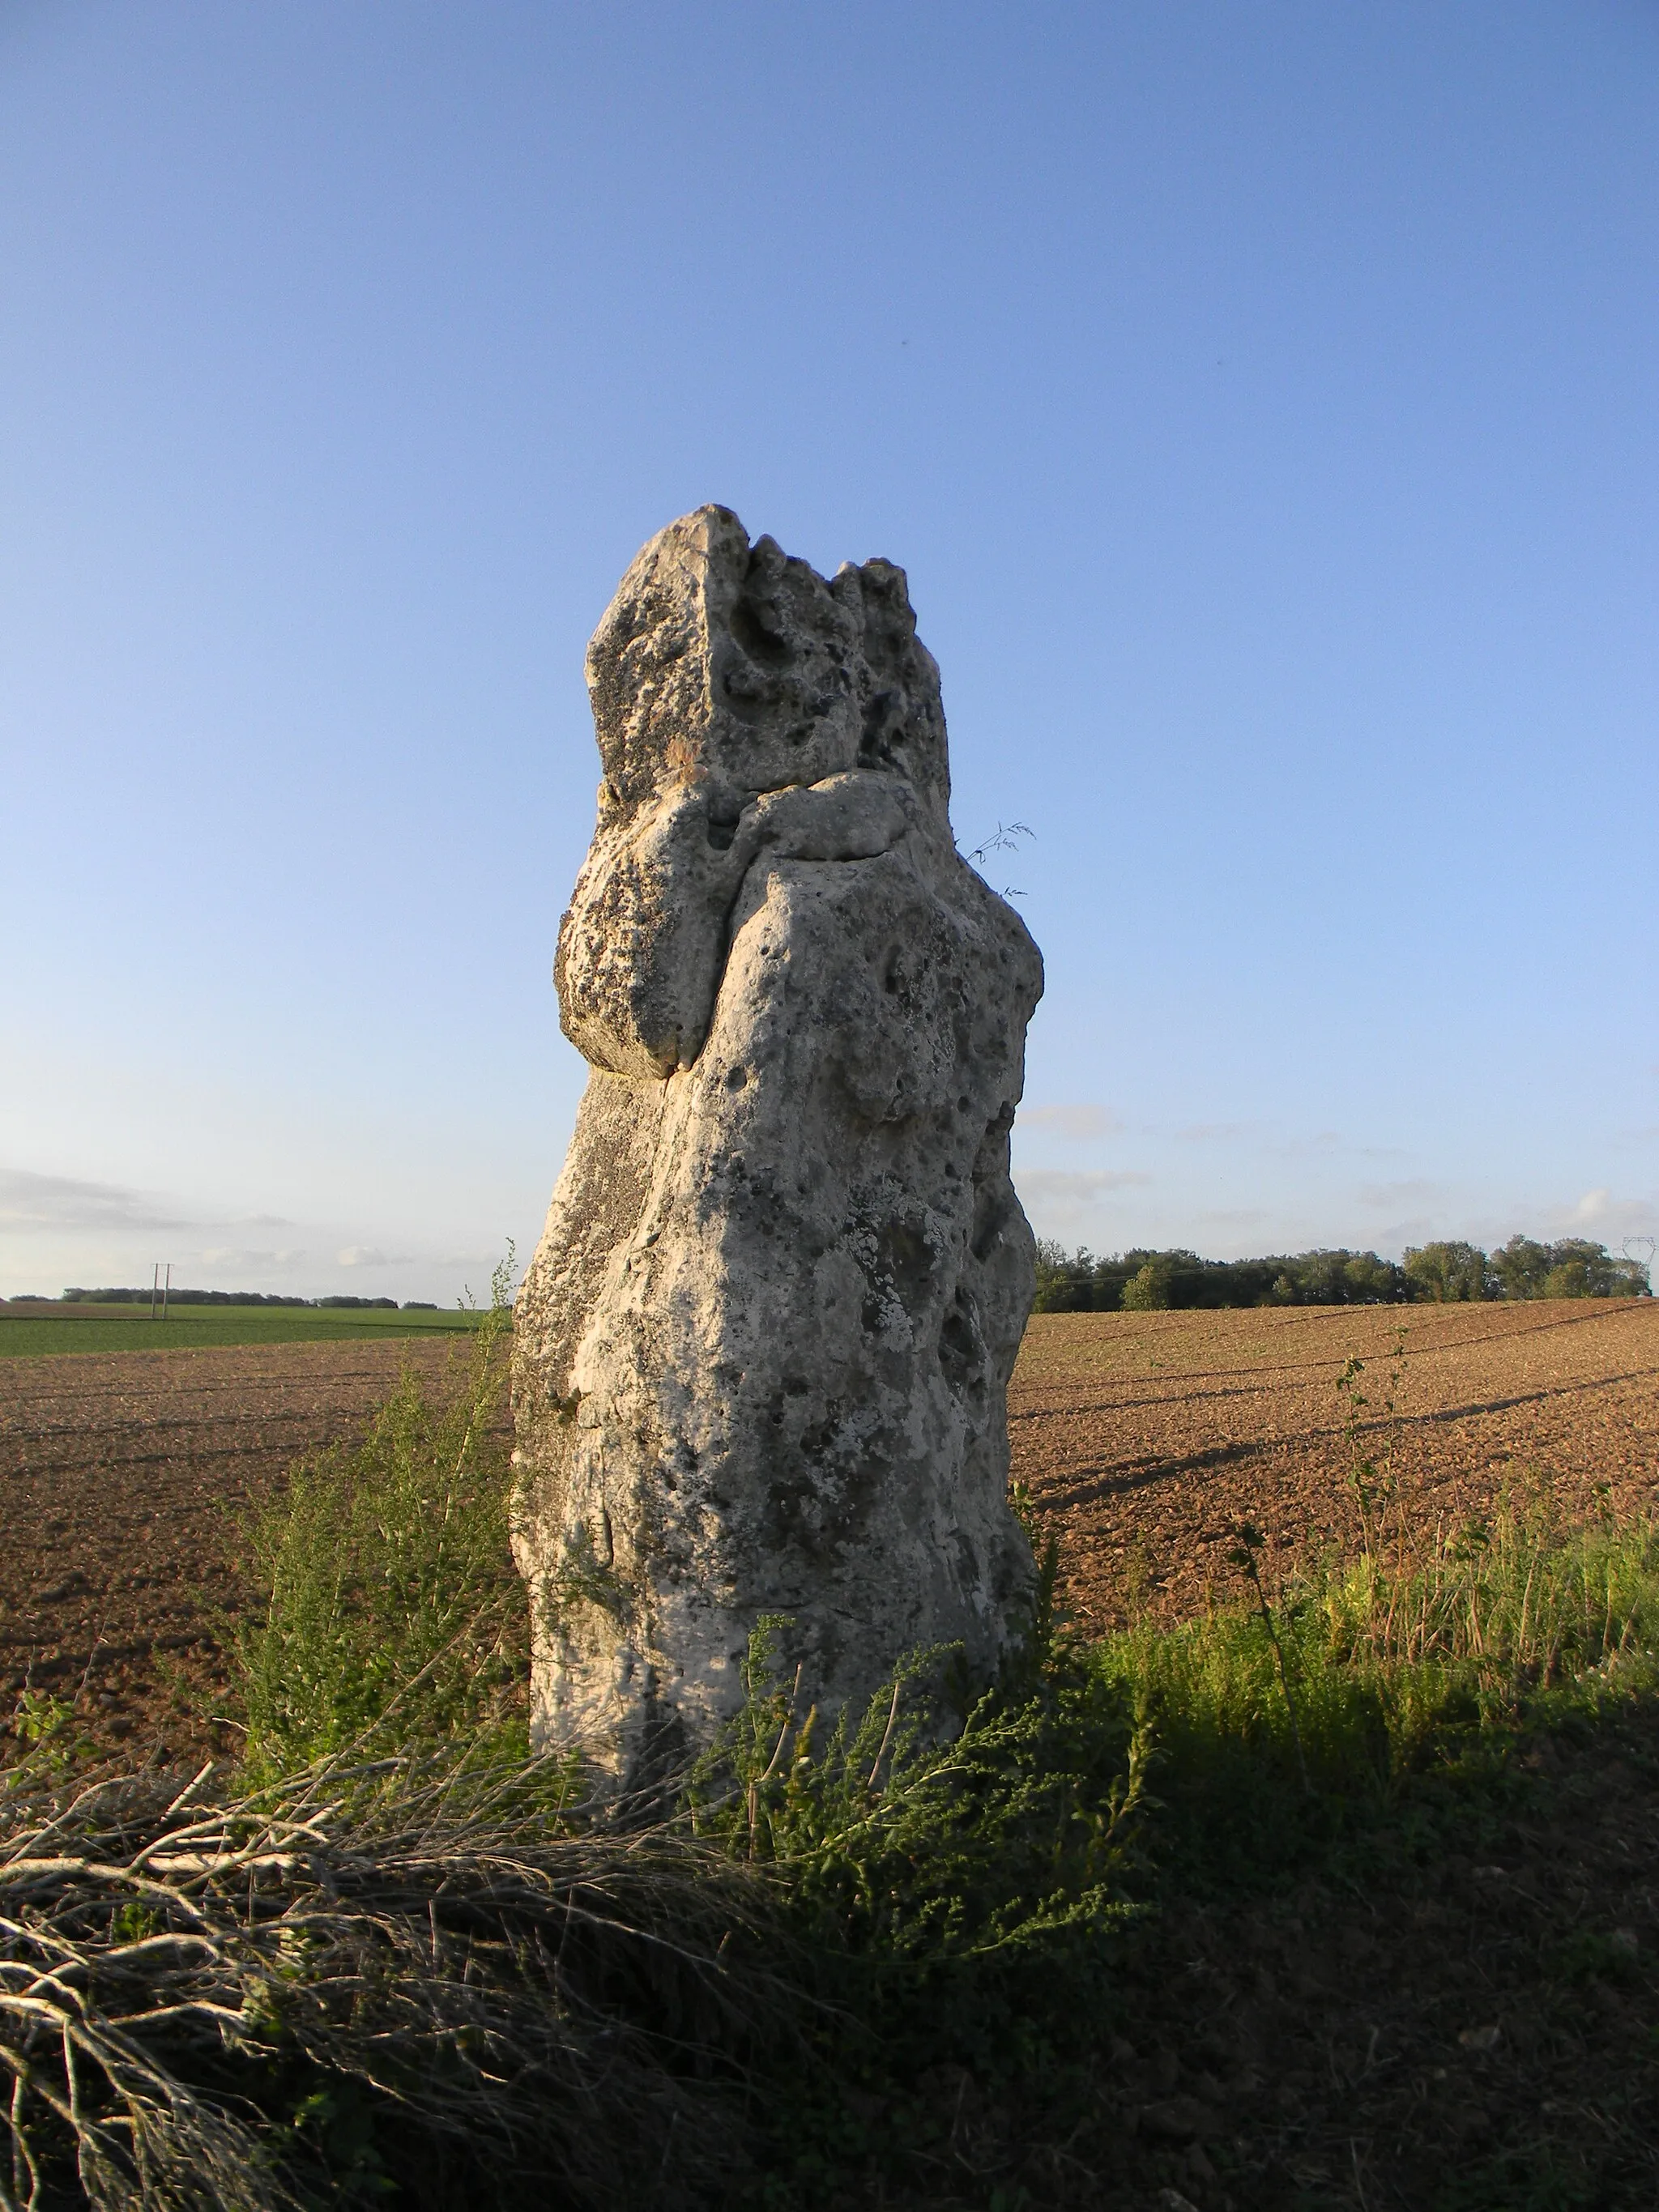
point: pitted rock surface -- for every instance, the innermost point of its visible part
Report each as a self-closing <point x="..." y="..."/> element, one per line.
<point x="763" y="1351"/>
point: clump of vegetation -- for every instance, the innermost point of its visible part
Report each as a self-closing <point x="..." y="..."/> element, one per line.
<point x="392" y="1612"/>
<point x="1572" y="1268"/>
<point x="1148" y="1290"/>
<point x="943" y="1884"/>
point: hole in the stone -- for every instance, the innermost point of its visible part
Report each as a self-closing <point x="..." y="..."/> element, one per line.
<point x="906" y="1259"/>
<point x="959" y="1349"/>
<point x="759" y="632"/>
<point x="875" y="743"/>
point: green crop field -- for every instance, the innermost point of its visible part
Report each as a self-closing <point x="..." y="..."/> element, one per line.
<point x="31" y="1331"/>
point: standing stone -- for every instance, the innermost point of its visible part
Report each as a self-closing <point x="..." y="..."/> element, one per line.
<point x="763" y="1351"/>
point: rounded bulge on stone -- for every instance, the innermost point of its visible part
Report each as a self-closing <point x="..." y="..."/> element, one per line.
<point x="643" y="946"/>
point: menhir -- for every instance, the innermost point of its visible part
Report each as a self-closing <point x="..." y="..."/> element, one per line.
<point x="761" y="1354"/>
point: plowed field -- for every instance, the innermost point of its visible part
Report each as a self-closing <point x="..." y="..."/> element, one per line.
<point x="1144" y="1439"/>
<point x="123" y="1477"/>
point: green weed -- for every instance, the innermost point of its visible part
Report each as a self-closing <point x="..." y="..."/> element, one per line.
<point x="393" y="1615"/>
<point x="53" y="1746"/>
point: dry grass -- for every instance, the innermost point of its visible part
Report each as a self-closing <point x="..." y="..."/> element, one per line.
<point x="500" y="1996"/>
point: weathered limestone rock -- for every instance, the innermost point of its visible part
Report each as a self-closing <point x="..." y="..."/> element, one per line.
<point x="762" y="1353"/>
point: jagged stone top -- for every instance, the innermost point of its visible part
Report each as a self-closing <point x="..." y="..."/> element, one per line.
<point x="741" y="665"/>
<point x="739" y="700"/>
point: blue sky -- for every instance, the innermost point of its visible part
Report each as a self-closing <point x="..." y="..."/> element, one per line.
<point x="1261" y="399"/>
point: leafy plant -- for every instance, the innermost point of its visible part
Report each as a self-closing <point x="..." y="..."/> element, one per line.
<point x="953" y="1885"/>
<point x="392" y="1613"/>
<point x="44" y="1725"/>
<point x="1370" y="1467"/>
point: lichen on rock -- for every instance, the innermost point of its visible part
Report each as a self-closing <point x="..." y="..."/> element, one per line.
<point x="762" y="1350"/>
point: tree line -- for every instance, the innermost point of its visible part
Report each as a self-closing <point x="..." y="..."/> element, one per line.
<point x="141" y="1297"/>
<point x="1451" y="1271"/>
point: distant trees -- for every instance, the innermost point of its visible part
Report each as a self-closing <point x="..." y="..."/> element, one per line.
<point x="1447" y="1274"/>
<point x="1146" y="1281"/>
<point x="1143" y="1281"/>
<point x="177" y="1298"/>
<point x="1574" y="1267"/>
<point x="1148" y="1290"/>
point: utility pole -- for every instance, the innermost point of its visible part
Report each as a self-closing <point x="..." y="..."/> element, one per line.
<point x="165" y="1290"/>
<point x="155" y="1288"/>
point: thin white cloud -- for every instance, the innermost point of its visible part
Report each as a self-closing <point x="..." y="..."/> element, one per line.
<point x="45" y="1201"/>
<point x="1082" y="1123"/>
<point x="1415" y="1190"/>
<point x="236" y="1255"/>
<point x="60" y="1229"/>
<point x="1598" y="1214"/>
<point x="1273" y="1146"/>
<point x="1392" y="1236"/>
<point x="1080" y="1186"/>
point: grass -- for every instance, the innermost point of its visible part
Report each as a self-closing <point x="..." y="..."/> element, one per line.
<point x="37" y="1335"/>
<point x="395" y="1960"/>
<point x="1384" y="1673"/>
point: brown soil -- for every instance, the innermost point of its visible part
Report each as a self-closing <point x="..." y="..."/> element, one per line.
<point x="1146" y="1439"/>
<point x="125" y="1479"/>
